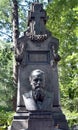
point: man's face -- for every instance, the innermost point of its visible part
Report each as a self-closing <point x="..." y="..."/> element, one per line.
<point x="37" y="81"/>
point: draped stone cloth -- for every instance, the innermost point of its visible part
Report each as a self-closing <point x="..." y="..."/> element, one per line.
<point x="31" y="104"/>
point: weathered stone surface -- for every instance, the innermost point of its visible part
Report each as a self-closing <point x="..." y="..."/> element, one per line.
<point x="40" y="120"/>
<point x="33" y="121"/>
<point x="37" y="19"/>
<point x="38" y="57"/>
<point x="37" y="49"/>
<point x="75" y="127"/>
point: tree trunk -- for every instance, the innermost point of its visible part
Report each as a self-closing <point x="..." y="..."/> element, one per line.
<point x="15" y="37"/>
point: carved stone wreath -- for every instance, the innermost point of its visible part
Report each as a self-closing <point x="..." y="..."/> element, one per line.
<point x="38" y="38"/>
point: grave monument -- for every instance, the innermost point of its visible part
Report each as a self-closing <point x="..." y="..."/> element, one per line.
<point x="38" y="106"/>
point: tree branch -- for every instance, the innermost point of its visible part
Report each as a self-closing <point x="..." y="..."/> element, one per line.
<point x="6" y="34"/>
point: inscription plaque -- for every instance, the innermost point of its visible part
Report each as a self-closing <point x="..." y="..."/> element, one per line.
<point x="38" y="57"/>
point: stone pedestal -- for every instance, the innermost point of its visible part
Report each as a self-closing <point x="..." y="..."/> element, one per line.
<point x="20" y="121"/>
<point x="33" y="121"/>
<point x="40" y="120"/>
<point x="59" y="119"/>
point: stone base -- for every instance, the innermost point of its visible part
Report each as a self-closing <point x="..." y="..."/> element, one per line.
<point x="39" y="120"/>
<point x="59" y="119"/>
<point x="33" y="121"/>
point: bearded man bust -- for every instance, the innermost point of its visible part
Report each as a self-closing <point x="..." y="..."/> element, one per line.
<point x="38" y="98"/>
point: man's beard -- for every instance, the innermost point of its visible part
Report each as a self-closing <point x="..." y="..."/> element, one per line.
<point x="38" y="94"/>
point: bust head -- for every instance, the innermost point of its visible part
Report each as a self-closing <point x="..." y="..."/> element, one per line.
<point x="37" y="80"/>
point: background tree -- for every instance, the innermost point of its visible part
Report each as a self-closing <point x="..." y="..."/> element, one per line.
<point x="6" y="76"/>
<point x="15" y="37"/>
<point x="63" y="23"/>
<point x="5" y="20"/>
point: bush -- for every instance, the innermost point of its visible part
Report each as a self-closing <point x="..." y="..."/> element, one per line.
<point x="5" y="119"/>
<point x="72" y="117"/>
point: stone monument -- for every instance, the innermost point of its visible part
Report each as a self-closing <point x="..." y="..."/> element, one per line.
<point x="38" y="106"/>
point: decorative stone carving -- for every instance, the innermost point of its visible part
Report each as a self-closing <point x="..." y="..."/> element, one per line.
<point x="20" y="49"/>
<point x="37" y="19"/>
<point x="38" y="98"/>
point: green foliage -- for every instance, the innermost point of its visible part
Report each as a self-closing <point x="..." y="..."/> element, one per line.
<point x="63" y="23"/>
<point x="5" y="19"/>
<point x="72" y="117"/>
<point x="5" y="119"/>
<point x="6" y="79"/>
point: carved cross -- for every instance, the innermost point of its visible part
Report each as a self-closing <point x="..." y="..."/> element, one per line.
<point x="38" y="15"/>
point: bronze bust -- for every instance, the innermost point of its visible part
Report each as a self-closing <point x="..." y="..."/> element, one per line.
<point x="37" y="98"/>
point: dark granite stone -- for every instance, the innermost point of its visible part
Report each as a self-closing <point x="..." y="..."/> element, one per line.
<point x="37" y="49"/>
<point x="75" y="127"/>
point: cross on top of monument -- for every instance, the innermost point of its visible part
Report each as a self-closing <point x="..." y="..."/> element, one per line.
<point x="37" y="19"/>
